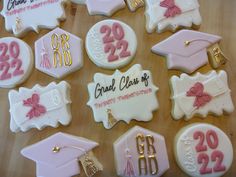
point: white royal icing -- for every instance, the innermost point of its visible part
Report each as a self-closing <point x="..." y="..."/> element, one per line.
<point x="215" y="84"/>
<point x="156" y="20"/>
<point x="191" y="153"/>
<point x="111" y="92"/>
<point x="54" y="97"/>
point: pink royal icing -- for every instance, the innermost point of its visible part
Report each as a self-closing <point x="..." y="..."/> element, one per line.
<point x="172" y="9"/>
<point x="37" y="110"/>
<point x="202" y="98"/>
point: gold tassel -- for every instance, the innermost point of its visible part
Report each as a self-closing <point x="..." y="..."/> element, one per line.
<point x="111" y="120"/>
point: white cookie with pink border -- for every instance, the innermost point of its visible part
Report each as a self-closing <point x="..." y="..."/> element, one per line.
<point x="203" y="150"/>
<point x="16" y="62"/>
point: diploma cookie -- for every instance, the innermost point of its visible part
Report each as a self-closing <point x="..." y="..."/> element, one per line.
<point x="187" y="50"/>
<point x="200" y="95"/>
<point x="111" y="44"/>
<point x="22" y="16"/>
<point x="40" y="107"/>
<point x="102" y="7"/>
<point x="58" y="53"/>
<point x="203" y="150"/>
<point x="164" y="15"/>
<point x="16" y="62"/>
<point x="123" y="96"/>
<point x="59" y="155"/>
<point x="141" y="153"/>
<point x="134" y="4"/>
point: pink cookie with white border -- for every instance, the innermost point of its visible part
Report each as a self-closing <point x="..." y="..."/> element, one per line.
<point x="40" y="107"/>
<point x="140" y="152"/>
<point x="111" y="44"/>
<point x="102" y="7"/>
<point x="59" y="156"/>
<point x="58" y="53"/>
<point x="200" y="94"/>
<point x="16" y="62"/>
<point x="22" y="16"/>
<point x="203" y="150"/>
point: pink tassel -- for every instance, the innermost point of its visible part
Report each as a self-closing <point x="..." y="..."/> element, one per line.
<point x="45" y="62"/>
<point x="129" y="168"/>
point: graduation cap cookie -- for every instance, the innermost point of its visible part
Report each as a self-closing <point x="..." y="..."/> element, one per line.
<point x="59" y="156"/>
<point x="188" y="50"/>
<point x="141" y="153"/>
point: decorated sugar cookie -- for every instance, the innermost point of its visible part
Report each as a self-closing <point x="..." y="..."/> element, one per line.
<point x="134" y="4"/>
<point x="200" y="95"/>
<point x="203" y="150"/>
<point x="111" y="44"/>
<point x="58" y="53"/>
<point x="16" y="62"/>
<point x="164" y="15"/>
<point x="140" y="152"/>
<point x="60" y="154"/>
<point x="40" y="107"/>
<point x="187" y="50"/>
<point x="102" y="7"/>
<point x="123" y="96"/>
<point x="22" y="16"/>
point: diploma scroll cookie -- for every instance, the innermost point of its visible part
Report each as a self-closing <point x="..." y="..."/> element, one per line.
<point x="200" y="95"/>
<point x="16" y="62"/>
<point x="203" y="150"/>
<point x="123" y="96"/>
<point x="40" y="107"/>
<point x="23" y="16"/>
<point x="60" y="155"/>
<point x="111" y="44"/>
<point x="141" y="153"/>
<point x="164" y="15"/>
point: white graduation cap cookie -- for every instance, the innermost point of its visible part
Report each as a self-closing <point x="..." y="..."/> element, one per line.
<point x="25" y="15"/>
<point x="200" y="95"/>
<point x="40" y="106"/>
<point x="203" y="150"/>
<point x="59" y="156"/>
<point x="123" y="96"/>
<point x="16" y="62"/>
<point x="188" y="50"/>
<point x="164" y="15"/>
<point x="141" y="153"/>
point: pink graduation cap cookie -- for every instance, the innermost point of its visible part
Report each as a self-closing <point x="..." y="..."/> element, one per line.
<point x="140" y="152"/>
<point x="16" y="62"/>
<point x="123" y="96"/>
<point x="170" y="14"/>
<point x="200" y="95"/>
<point x="203" y="150"/>
<point x="187" y="50"/>
<point x="59" y="156"/>
<point x="58" y="53"/>
<point x="23" y="16"/>
<point x="40" y="106"/>
<point x="102" y="7"/>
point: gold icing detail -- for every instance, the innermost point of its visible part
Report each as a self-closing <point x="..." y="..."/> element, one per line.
<point x="134" y="4"/>
<point x="56" y="149"/>
<point x="111" y="120"/>
<point x="140" y="147"/>
<point x="140" y="166"/>
<point x="152" y="158"/>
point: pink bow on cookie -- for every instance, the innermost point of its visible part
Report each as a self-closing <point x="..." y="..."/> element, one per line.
<point x="201" y="97"/>
<point x="37" y="109"/>
<point x="172" y="9"/>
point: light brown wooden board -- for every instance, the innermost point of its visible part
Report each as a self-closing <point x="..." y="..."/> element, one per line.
<point x="219" y="17"/>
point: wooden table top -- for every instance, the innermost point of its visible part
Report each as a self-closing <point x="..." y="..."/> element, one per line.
<point x="218" y="18"/>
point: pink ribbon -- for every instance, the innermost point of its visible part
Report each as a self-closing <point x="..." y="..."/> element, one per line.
<point x="172" y="9"/>
<point x="37" y="109"/>
<point x="201" y="97"/>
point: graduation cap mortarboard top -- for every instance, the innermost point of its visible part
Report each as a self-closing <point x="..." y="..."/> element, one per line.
<point x="102" y="7"/>
<point x="200" y="94"/>
<point x="203" y="150"/>
<point x="58" y="53"/>
<point x="188" y="50"/>
<point x="39" y="106"/>
<point x="59" y="156"/>
<point x="140" y="152"/>
<point x="123" y="96"/>
<point x="164" y="15"/>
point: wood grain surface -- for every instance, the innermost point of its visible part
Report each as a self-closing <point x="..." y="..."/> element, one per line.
<point x="219" y="17"/>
